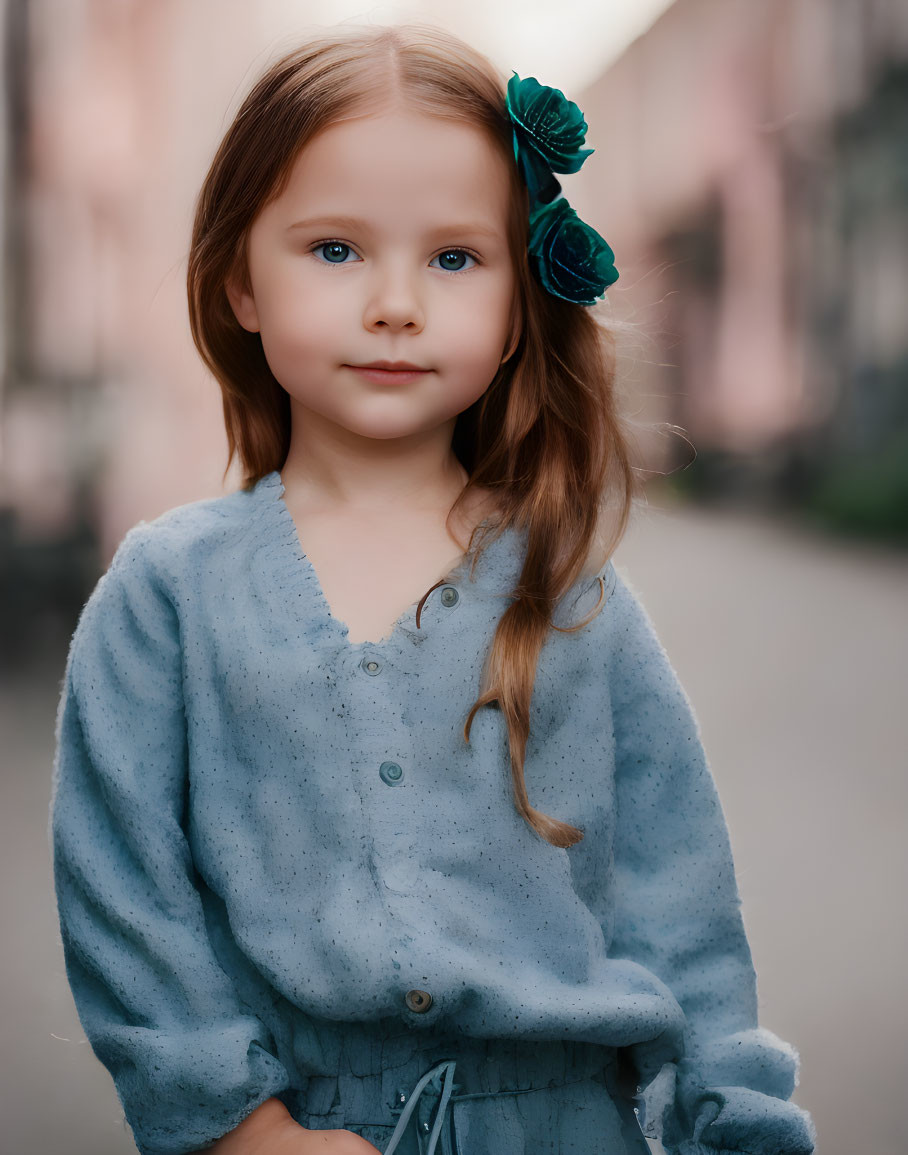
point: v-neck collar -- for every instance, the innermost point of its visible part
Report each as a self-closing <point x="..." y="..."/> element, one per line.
<point x="497" y="565"/>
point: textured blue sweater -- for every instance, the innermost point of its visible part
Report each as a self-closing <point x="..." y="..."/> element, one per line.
<point x="259" y="827"/>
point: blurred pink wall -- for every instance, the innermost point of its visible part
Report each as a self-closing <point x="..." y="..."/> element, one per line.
<point x="712" y="132"/>
<point x="128" y="103"/>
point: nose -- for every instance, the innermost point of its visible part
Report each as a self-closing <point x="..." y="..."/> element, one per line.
<point x="394" y="299"/>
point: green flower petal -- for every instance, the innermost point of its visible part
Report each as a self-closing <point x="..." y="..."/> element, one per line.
<point x="569" y="257"/>
<point x="547" y="124"/>
<point x="537" y="175"/>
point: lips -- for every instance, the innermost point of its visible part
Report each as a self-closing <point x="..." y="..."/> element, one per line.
<point x="390" y="372"/>
<point x="393" y="366"/>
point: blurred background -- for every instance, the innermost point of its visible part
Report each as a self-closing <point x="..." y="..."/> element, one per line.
<point x="751" y="175"/>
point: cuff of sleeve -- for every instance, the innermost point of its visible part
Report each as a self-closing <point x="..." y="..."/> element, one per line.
<point x="754" y="1058"/>
<point x="738" y="1119"/>
<point x="174" y="1106"/>
<point x="732" y="1094"/>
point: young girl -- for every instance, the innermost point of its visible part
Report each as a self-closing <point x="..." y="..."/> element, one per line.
<point x="380" y="818"/>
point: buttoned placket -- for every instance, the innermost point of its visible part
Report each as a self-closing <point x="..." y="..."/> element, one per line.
<point x="373" y="664"/>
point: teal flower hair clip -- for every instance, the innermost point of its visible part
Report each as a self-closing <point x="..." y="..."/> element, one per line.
<point x="568" y="256"/>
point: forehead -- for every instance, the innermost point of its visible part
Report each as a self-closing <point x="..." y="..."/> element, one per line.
<point x="403" y="164"/>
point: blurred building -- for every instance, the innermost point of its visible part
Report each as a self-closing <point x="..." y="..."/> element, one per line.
<point x="752" y="174"/>
<point x="114" y="109"/>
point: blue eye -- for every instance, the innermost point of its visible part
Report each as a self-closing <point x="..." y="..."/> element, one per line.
<point x="336" y="252"/>
<point x="332" y="247"/>
<point x="457" y="254"/>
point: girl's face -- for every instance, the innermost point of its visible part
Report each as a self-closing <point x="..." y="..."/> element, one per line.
<point x="388" y="243"/>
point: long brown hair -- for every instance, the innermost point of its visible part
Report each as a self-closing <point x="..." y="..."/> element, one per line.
<point x="546" y="437"/>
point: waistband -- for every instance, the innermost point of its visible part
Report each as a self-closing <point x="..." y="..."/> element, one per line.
<point x="397" y="1078"/>
<point x="443" y="1094"/>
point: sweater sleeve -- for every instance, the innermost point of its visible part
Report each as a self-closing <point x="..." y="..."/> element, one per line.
<point x="189" y="1061"/>
<point x="678" y="911"/>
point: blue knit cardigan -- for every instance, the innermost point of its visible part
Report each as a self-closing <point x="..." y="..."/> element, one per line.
<point x="259" y="827"/>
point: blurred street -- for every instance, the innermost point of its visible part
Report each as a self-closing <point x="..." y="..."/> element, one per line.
<point x="792" y="651"/>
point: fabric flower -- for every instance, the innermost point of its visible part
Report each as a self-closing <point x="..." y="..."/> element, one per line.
<point x="549" y="129"/>
<point x="570" y="258"/>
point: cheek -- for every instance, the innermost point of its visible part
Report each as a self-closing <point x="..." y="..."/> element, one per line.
<point x="473" y="350"/>
<point x="301" y="318"/>
<point x="479" y="319"/>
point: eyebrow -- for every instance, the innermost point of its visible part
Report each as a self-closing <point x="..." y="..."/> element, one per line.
<point x="471" y="227"/>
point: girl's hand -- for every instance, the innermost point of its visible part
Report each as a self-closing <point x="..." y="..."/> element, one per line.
<point x="335" y="1142"/>
<point x="271" y="1130"/>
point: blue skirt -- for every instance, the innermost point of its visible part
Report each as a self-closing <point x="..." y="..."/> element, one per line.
<point x="411" y="1092"/>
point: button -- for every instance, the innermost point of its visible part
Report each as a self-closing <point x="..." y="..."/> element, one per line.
<point x="449" y="596"/>
<point x="371" y="666"/>
<point x="390" y="773"/>
<point x="418" y="1001"/>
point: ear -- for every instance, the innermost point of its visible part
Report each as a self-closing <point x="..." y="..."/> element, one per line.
<point x="242" y="303"/>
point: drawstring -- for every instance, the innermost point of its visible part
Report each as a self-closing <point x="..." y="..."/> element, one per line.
<point x="447" y="1066"/>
